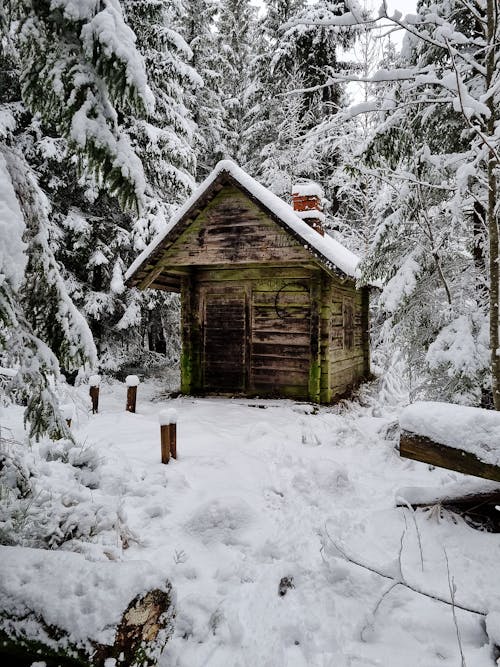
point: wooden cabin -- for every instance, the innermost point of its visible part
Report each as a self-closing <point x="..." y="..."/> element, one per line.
<point x="269" y="304"/>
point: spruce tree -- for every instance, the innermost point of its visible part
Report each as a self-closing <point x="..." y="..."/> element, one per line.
<point x="204" y="97"/>
<point x="81" y="79"/>
<point x="164" y="139"/>
<point x="428" y="248"/>
<point x="79" y="69"/>
<point x="296" y="97"/>
<point x="236" y="28"/>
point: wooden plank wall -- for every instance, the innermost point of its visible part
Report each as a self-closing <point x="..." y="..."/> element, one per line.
<point x="343" y="353"/>
<point x="281" y="336"/>
<point x="295" y="341"/>
<point x="233" y="230"/>
<point x="278" y="321"/>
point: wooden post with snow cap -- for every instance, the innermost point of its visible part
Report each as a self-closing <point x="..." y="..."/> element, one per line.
<point x="132" y="382"/>
<point x="67" y="413"/>
<point x="168" y="434"/>
<point x="94" y="382"/>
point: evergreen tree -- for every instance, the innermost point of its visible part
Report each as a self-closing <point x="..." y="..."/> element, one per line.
<point x="429" y="238"/>
<point x="204" y="99"/>
<point x="296" y="98"/>
<point x="236" y="28"/>
<point x="274" y="138"/>
<point x="308" y="48"/>
<point x="78" y="70"/>
<point x="164" y="139"/>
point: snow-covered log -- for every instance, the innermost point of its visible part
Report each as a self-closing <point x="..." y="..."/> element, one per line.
<point x="59" y="608"/>
<point x="452" y="436"/>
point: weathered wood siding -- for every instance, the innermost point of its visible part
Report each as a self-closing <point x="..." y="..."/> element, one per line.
<point x="260" y="315"/>
<point x="280" y="336"/>
<point x="224" y="327"/>
<point x="344" y="351"/>
<point x="250" y="332"/>
<point x="233" y="230"/>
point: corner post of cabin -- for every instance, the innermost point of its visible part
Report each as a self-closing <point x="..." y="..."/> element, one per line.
<point x="186" y="336"/>
<point x="326" y="313"/>
<point x="365" y="329"/>
<point x="315" y="368"/>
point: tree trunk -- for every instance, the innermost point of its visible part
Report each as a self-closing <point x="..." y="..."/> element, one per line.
<point x="491" y="213"/>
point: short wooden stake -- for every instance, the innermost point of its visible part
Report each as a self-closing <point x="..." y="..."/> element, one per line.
<point x="168" y="435"/>
<point x="94" y="382"/>
<point x="67" y="412"/>
<point x="172" y="439"/>
<point x="94" y="396"/>
<point x="131" y="398"/>
<point x="165" y="442"/>
<point x="132" y="382"/>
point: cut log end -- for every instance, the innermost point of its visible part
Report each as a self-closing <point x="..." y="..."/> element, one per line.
<point x="141" y="635"/>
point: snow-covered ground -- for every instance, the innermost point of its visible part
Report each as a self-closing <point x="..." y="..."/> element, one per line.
<point x="264" y="490"/>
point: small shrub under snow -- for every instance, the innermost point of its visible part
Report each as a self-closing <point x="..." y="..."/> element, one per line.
<point x="48" y="501"/>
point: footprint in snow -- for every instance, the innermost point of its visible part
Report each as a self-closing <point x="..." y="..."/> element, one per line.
<point x="220" y="520"/>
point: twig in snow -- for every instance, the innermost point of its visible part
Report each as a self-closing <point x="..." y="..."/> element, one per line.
<point x="370" y="623"/>
<point x="403" y="582"/>
<point x="453" y="590"/>
<point x="419" y="537"/>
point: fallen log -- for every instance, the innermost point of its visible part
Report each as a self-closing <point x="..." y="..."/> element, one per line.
<point x="452" y="436"/>
<point x="57" y="608"/>
<point x="421" y="448"/>
<point x="478" y="509"/>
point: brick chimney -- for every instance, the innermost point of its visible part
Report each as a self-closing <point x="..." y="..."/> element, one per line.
<point x="306" y="202"/>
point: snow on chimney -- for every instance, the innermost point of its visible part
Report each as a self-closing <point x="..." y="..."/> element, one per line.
<point x="306" y="202"/>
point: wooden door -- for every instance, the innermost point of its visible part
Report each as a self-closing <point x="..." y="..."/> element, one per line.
<point x="281" y="338"/>
<point x="224" y="341"/>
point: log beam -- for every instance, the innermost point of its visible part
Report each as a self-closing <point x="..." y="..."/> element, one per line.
<point x="420" y="448"/>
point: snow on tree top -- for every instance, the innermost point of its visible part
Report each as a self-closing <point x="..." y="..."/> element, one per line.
<point x="474" y="430"/>
<point x="308" y="190"/>
<point x="332" y="253"/>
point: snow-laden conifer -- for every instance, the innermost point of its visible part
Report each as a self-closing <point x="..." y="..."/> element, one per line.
<point x="204" y="98"/>
<point x="80" y="70"/>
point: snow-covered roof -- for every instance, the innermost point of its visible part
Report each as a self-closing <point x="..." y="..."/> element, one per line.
<point x="331" y="253"/>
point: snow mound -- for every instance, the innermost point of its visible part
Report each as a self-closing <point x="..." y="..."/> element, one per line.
<point x="474" y="430"/>
<point x="220" y="520"/>
<point x="85" y="599"/>
<point x="308" y="190"/>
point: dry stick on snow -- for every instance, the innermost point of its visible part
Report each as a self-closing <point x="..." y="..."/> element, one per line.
<point x="370" y="623"/>
<point x="417" y="530"/>
<point x="402" y="582"/>
<point x="453" y="590"/>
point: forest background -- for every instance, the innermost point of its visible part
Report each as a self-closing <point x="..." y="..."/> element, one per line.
<point x="112" y="111"/>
